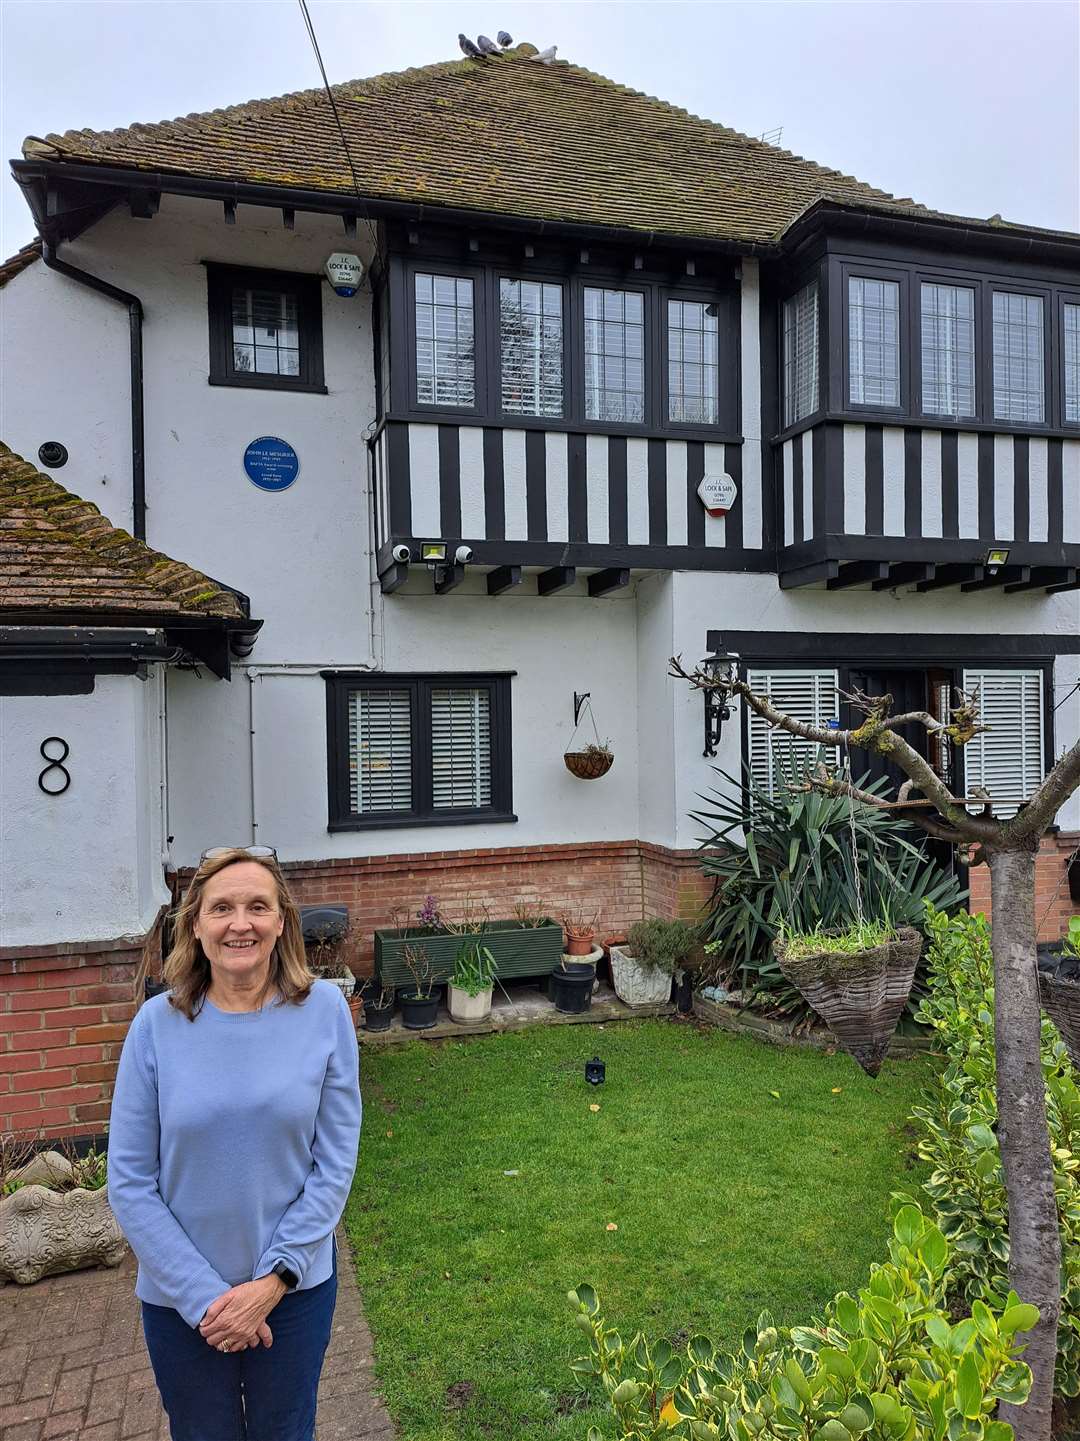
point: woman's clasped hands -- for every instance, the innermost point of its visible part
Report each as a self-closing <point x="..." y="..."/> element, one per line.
<point x="237" y="1319"/>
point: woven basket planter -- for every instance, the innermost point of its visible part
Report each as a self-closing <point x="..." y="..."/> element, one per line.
<point x="634" y="985"/>
<point x="1061" y="1002"/>
<point x="859" y="997"/>
<point x="588" y="765"/>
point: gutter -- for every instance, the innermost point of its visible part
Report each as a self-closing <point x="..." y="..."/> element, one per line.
<point x="135" y="324"/>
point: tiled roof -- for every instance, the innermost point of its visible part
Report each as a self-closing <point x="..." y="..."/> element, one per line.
<point x="508" y="135"/>
<point x="59" y="553"/>
<point x="18" y="262"/>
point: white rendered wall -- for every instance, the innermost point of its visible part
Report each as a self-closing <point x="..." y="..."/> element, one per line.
<point x="85" y="865"/>
<point x="302" y="555"/>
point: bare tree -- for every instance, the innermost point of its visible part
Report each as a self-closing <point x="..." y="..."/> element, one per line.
<point x="1009" y="848"/>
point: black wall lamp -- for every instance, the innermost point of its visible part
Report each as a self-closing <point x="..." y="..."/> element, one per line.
<point x="995" y="559"/>
<point x="721" y="665"/>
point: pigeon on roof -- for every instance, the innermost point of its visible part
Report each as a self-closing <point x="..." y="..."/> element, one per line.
<point x="487" y="47"/>
<point x="504" y="38"/>
<point x="468" y="48"/>
<point x="546" y="57"/>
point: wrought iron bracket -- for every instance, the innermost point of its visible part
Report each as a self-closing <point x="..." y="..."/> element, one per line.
<point x="717" y="711"/>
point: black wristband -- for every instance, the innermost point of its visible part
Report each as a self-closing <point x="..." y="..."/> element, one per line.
<point x="291" y="1279"/>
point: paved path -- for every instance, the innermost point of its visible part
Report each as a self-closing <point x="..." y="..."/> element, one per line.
<point x="73" y="1365"/>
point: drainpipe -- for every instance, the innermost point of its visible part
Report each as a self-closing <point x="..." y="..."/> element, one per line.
<point x="135" y="322"/>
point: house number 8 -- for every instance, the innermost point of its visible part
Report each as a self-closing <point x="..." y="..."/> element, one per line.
<point x="59" y="779"/>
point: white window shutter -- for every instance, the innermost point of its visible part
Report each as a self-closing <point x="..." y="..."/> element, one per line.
<point x="806" y="695"/>
<point x="380" y="751"/>
<point x="460" y="748"/>
<point x="1007" y="760"/>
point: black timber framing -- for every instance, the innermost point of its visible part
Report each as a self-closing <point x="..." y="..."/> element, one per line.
<point x="956" y="561"/>
<point x="1044" y="577"/>
<point x="859" y="572"/>
<point x="448" y="578"/>
<point x="1019" y="574"/>
<point x="891" y="647"/>
<point x="605" y="581"/>
<point x="505" y="577"/>
<point x="555" y="579"/>
<point x="905" y="572"/>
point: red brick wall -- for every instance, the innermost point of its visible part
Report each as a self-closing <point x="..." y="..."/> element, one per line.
<point x="1053" y="905"/>
<point x="64" y="1013"/>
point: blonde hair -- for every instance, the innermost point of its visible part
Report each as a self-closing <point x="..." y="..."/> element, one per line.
<point x="187" y="970"/>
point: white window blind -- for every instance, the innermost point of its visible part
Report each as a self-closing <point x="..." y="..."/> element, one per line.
<point x="807" y="695"/>
<point x="380" y="751"/>
<point x="1018" y="357"/>
<point x="873" y="341"/>
<point x="614" y="355"/>
<point x="1007" y="760"/>
<point x="460" y="748"/>
<point x="1072" y="364"/>
<point x="801" y="354"/>
<point x="265" y="332"/>
<point x="445" y="342"/>
<point x="948" y="350"/>
<point x="531" y="327"/>
<point x="693" y="366"/>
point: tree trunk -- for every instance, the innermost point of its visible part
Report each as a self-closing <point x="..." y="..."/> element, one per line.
<point x="1034" y="1237"/>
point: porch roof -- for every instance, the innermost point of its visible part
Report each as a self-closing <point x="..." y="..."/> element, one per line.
<point x="59" y="554"/>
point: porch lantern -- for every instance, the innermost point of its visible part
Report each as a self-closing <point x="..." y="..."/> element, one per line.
<point x="594" y="1071"/>
<point x="722" y="665"/>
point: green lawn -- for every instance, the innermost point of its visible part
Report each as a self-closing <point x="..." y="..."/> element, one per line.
<point x="726" y="1199"/>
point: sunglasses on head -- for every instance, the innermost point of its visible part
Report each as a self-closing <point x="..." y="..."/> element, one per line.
<point x="215" y="851"/>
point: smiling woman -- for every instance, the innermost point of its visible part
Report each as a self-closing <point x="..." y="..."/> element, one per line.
<point x="232" y="1146"/>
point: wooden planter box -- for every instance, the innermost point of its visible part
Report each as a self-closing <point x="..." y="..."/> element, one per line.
<point x="518" y="951"/>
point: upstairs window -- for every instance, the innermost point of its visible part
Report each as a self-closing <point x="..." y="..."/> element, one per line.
<point x="693" y="362"/>
<point x="531" y="335"/>
<point x="615" y="355"/>
<point x="1071" y="320"/>
<point x="948" y="350"/>
<point x="1019" y="384"/>
<point x="418" y="749"/>
<point x="801" y="354"/>
<point x="873" y="342"/>
<point x="445" y="341"/>
<point x="265" y="329"/>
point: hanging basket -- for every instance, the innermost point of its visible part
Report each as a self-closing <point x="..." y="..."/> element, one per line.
<point x="589" y="765"/>
<point x="860" y="997"/>
<point x="1061" y="1002"/>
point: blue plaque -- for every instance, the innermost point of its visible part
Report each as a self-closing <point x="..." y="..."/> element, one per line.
<point x="271" y="463"/>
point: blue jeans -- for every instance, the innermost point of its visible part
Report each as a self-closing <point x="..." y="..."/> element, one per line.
<point x="253" y="1395"/>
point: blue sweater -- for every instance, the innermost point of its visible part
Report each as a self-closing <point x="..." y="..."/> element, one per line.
<point x="232" y="1144"/>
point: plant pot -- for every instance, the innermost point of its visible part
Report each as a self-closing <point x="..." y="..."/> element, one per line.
<point x="684" y="992"/>
<point x="46" y="1233"/>
<point x="356" y="1010"/>
<point x="634" y="984"/>
<point x="465" y="1008"/>
<point x="345" y="984"/>
<point x="419" y="1013"/>
<point x="579" y="946"/>
<point x="860" y="997"/>
<point x="571" y="994"/>
<point x="1060" y="996"/>
<point x="518" y="951"/>
<point x="378" y="1018"/>
<point x="588" y="765"/>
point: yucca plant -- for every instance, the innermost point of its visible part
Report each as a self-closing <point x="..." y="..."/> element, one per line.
<point x="790" y="861"/>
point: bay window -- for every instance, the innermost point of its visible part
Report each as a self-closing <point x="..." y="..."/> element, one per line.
<point x="873" y="342"/>
<point x="1019" y="381"/>
<point x="947" y="321"/>
<point x="801" y="354"/>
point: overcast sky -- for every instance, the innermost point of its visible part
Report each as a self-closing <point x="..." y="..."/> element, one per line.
<point x="971" y="108"/>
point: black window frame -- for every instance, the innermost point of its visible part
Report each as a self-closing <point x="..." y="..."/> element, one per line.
<point x="419" y="684"/>
<point x="921" y="276"/>
<point x="221" y="280"/>
<point x="481" y="378"/>
<point x="1064" y="297"/>
<point x="1045" y="293"/>
<point x="849" y="272"/>
<point x="815" y="274"/>
<point x="574" y="278"/>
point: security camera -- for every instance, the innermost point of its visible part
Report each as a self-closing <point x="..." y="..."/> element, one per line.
<point x="344" y="272"/>
<point x="402" y="554"/>
<point x="463" y="555"/>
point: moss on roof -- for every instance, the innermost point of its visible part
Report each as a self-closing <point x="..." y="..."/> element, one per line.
<point x="59" y="553"/>
<point x="507" y="134"/>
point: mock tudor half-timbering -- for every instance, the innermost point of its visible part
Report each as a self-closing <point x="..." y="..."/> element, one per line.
<point x="618" y="383"/>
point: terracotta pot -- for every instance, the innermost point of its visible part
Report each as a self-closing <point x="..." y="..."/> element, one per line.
<point x="356" y="1008"/>
<point x="579" y="945"/>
